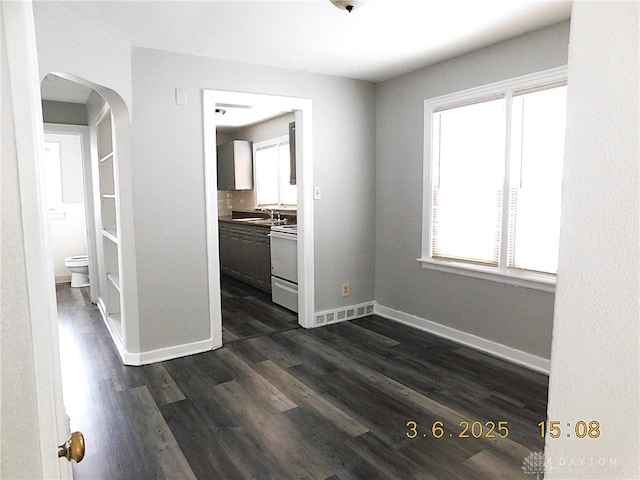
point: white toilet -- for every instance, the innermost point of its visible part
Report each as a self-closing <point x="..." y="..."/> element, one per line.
<point x="79" y="267"/>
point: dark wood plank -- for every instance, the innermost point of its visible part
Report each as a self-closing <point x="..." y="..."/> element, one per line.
<point x="281" y="402"/>
<point x="305" y="396"/>
<point x="248" y="312"/>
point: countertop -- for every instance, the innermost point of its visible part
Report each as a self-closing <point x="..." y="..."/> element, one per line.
<point x="265" y="223"/>
<point x="254" y="221"/>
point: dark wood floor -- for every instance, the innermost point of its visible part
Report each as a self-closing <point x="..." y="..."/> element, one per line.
<point x="248" y="312"/>
<point x="288" y="403"/>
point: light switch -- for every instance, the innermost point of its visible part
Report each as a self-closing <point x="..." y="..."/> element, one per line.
<point x="181" y="97"/>
<point x="317" y="192"/>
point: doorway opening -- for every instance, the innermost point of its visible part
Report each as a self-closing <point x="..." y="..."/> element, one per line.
<point x="99" y="177"/>
<point x="82" y="121"/>
<point x="290" y="110"/>
<point x="68" y="181"/>
<point x="68" y="206"/>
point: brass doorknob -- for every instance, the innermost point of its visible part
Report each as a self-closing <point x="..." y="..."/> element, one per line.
<point x="73" y="448"/>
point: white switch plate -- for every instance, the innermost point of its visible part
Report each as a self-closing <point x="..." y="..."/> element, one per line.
<point x="181" y="97"/>
<point x="317" y="193"/>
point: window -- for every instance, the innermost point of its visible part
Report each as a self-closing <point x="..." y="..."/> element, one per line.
<point x="53" y="180"/>
<point x="272" y="173"/>
<point x="493" y="175"/>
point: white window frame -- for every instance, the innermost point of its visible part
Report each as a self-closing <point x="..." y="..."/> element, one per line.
<point x="277" y="142"/>
<point x="502" y="273"/>
<point x="53" y="180"/>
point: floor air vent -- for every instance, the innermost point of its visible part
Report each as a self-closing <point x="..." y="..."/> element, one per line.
<point x="343" y="314"/>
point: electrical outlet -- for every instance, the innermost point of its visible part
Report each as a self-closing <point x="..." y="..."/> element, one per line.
<point x="346" y="290"/>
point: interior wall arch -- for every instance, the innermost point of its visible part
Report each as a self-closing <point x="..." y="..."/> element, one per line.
<point x="121" y="117"/>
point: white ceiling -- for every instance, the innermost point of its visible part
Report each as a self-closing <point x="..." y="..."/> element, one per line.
<point x="380" y="40"/>
<point x="59" y="89"/>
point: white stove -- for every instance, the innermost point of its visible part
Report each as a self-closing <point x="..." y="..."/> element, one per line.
<point x="284" y="266"/>
<point x="290" y="229"/>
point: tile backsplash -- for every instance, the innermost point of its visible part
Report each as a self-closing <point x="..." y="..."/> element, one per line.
<point x="225" y="203"/>
<point x="229" y="200"/>
<point x="244" y="200"/>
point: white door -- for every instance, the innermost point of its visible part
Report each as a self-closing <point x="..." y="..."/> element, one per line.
<point x="35" y="419"/>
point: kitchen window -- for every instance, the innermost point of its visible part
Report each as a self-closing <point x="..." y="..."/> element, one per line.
<point x="493" y="175"/>
<point x="272" y="174"/>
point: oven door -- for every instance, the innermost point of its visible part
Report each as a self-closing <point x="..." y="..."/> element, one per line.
<point x="284" y="256"/>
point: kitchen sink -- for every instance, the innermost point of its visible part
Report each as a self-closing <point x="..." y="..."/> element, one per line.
<point x="267" y="221"/>
<point x="260" y="221"/>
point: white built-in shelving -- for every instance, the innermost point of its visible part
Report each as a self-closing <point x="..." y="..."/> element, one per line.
<point x="110" y="294"/>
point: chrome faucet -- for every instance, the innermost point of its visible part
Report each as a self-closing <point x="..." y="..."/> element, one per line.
<point x="269" y="211"/>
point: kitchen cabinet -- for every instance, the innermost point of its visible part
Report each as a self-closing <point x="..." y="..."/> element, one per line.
<point x="235" y="165"/>
<point x="225" y="247"/>
<point x="263" y="260"/>
<point x="245" y="254"/>
<point x="248" y="258"/>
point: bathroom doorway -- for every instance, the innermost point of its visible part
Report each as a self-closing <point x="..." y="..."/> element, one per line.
<point x="68" y="180"/>
<point x="68" y="205"/>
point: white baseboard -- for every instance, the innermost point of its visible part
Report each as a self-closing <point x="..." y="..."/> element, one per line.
<point x="152" y="356"/>
<point x="496" y="349"/>
<point x="115" y="335"/>
<point x="342" y="314"/>
<point x="169" y="353"/>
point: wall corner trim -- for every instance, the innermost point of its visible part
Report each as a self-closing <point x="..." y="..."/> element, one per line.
<point x="527" y="360"/>
<point x="169" y="353"/>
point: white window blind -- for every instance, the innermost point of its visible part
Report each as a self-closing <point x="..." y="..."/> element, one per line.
<point x="537" y="153"/>
<point x="494" y="171"/>
<point x="272" y="173"/>
<point x="467" y="189"/>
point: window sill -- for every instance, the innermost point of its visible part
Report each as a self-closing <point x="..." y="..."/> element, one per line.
<point x="56" y="215"/>
<point x="533" y="280"/>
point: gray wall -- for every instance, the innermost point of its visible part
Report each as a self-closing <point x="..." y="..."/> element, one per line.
<point x="64" y="113"/>
<point x="272" y="128"/>
<point x="168" y="185"/>
<point x="517" y="317"/>
<point x="68" y="44"/>
<point x="353" y="240"/>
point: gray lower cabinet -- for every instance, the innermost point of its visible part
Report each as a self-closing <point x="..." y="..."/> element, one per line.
<point x="245" y="254"/>
<point x="263" y="261"/>
<point x="225" y="249"/>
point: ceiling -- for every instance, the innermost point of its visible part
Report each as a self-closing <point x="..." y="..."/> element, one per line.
<point x="58" y="89"/>
<point x="380" y="40"/>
